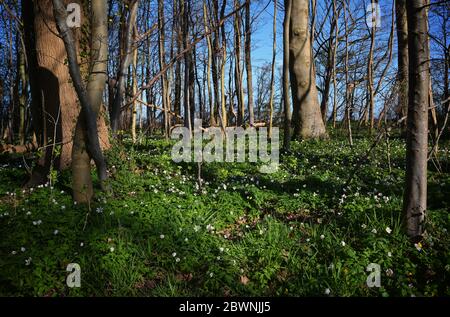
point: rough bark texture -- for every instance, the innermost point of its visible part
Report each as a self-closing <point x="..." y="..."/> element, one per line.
<point x="81" y="161"/>
<point x="403" y="60"/>
<point x="53" y="95"/>
<point x="415" y="197"/>
<point x="88" y="114"/>
<point x="58" y="99"/>
<point x="307" y="118"/>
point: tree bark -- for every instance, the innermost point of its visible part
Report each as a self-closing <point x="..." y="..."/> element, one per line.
<point x="125" y="60"/>
<point x="307" y="119"/>
<point x="90" y="98"/>
<point x="54" y="105"/>
<point x="162" y="64"/>
<point x="403" y="59"/>
<point x="133" y="92"/>
<point x="238" y="70"/>
<point x="23" y="96"/>
<point x="248" y="64"/>
<point x="415" y="197"/>
<point x="222" y="66"/>
<point x="286" y="86"/>
<point x="272" y="74"/>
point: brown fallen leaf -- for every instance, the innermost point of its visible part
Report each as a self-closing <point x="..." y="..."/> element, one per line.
<point x="244" y="280"/>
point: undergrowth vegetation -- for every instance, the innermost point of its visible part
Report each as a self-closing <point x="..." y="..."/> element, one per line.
<point x="301" y="231"/>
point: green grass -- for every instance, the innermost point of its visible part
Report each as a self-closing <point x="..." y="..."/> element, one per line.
<point x="245" y="233"/>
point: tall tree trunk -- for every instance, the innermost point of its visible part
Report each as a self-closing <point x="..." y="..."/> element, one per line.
<point x="90" y="97"/>
<point x="335" y="48"/>
<point x="348" y="90"/>
<point x="370" y="89"/>
<point x="222" y="65"/>
<point x="329" y="72"/>
<point x="184" y="12"/>
<point x="272" y="75"/>
<point x="402" y="40"/>
<point x="23" y="97"/>
<point x="206" y="21"/>
<point x="54" y="105"/>
<point x="248" y="63"/>
<point x="125" y="60"/>
<point x="415" y="197"/>
<point x="286" y="83"/>
<point x="162" y="64"/>
<point x="307" y="118"/>
<point x="133" y="92"/>
<point x="238" y="70"/>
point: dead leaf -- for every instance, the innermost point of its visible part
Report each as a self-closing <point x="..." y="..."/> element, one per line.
<point x="244" y="280"/>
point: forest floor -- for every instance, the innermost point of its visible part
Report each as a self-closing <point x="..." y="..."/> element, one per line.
<point x="297" y="232"/>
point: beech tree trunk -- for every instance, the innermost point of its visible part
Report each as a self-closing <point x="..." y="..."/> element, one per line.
<point x="415" y="197"/>
<point x="307" y="118"/>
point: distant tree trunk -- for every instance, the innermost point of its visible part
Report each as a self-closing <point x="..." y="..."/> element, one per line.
<point x="370" y="90"/>
<point x="415" y="197"/>
<point x="206" y="21"/>
<point x="125" y="61"/>
<point x="195" y="78"/>
<point x="272" y="75"/>
<point x="335" y="48"/>
<point x="286" y="86"/>
<point x="248" y="64"/>
<point x="162" y="63"/>
<point x="402" y="40"/>
<point x="90" y="97"/>
<point x="177" y="71"/>
<point x="23" y="97"/>
<point x="238" y="70"/>
<point x="215" y="60"/>
<point x="307" y="118"/>
<point x="133" y="92"/>
<point x="185" y="13"/>
<point x="222" y="65"/>
<point x="313" y="21"/>
<point x="348" y="90"/>
<point x="329" y="72"/>
<point x="434" y="128"/>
